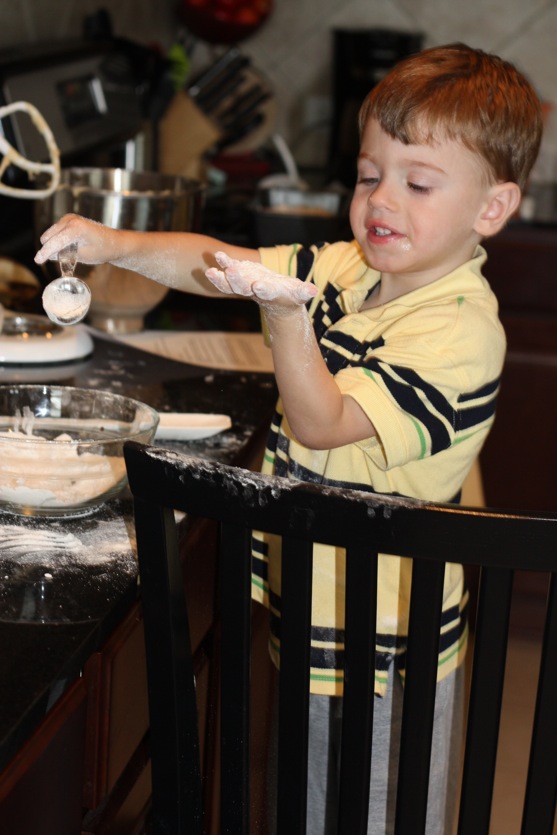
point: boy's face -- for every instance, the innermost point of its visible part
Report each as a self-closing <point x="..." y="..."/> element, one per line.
<point x="415" y="208"/>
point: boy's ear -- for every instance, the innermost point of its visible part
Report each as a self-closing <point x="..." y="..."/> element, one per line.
<point x="503" y="202"/>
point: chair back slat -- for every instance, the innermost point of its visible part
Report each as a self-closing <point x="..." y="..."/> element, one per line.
<point x="541" y="786"/>
<point x="174" y="737"/>
<point x="419" y="696"/>
<point x="359" y="675"/>
<point x="293" y="711"/>
<point x="486" y="693"/>
<point x="365" y="526"/>
<point x="235" y="677"/>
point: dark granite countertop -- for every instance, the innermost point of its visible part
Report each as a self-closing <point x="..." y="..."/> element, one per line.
<point x="65" y="584"/>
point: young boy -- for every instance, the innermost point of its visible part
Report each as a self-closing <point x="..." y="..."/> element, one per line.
<point x="387" y="352"/>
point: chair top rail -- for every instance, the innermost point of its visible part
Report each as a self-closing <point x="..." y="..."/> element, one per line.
<point x="516" y="539"/>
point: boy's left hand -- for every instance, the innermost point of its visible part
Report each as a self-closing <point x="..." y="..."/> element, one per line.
<point x="248" y="278"/>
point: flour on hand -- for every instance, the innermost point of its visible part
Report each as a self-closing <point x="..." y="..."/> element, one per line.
<point x="253" y="280"/>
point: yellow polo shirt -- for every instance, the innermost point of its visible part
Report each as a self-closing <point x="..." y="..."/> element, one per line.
<point x="425" y="368"/>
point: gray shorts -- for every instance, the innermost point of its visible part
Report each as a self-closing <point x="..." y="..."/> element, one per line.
<point x="324" y="752"/>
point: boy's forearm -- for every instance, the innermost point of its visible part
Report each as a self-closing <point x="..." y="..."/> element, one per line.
<point x="318" y="413"/>
<point x="175" y="259"/>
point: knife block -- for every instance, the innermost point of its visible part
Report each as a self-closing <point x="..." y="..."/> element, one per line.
<point x="185" y="134"/>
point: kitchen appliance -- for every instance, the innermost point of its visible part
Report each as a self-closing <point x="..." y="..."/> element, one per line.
<point x="26" y="339"/>
<point x="29" y="343"/>
<point x="285" y="214"/>
<point x="88" y="93"/>
<point x="361" y="57"/>
<point x="122" y="199"/>
<point x="12" y="158"/>
<point x="85" y="90"/>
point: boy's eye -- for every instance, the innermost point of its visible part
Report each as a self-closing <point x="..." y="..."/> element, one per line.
<point x="368" y="180"/>
<point x="419" y="189"/>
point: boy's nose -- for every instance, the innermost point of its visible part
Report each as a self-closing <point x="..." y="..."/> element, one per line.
<point x="382" y="196"/>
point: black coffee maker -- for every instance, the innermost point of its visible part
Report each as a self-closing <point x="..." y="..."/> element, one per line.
<point x="361" y="57"/>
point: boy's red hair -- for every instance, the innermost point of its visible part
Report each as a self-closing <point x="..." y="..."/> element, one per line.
<point x="463" y="94"/>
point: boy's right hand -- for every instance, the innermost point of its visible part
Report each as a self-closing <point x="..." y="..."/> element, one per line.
<point x="95" y="242"/>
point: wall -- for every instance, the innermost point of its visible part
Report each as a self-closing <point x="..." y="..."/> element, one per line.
<point x="294" y="47"/>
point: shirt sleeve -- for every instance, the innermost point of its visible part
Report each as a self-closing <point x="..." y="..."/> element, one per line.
<point x="430" y="383"/>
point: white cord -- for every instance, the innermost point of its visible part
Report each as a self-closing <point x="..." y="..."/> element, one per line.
<point x="291" y="179"/>
<point x="286" y="156"/>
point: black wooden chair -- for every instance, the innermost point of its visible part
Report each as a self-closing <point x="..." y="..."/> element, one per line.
<point x="162" y="480"/>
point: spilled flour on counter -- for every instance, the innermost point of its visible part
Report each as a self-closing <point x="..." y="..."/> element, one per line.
<point x="22" y="542"/>
<point x="55" y="548"/>
<point x="61" y="572"/>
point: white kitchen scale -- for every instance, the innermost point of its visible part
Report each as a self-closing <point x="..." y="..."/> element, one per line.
<point x="28" y="339"/>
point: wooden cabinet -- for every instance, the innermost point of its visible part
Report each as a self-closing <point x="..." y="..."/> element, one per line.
<point x="519" y="460"/>
<point x="116" y="771"/>
<point x="41" y="789"/>
<point x="86" y="767"/>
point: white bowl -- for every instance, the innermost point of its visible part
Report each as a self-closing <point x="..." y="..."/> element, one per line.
<point x="61" y="448"/>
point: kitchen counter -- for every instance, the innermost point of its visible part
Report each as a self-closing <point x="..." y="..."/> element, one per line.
<point x="58" y="602"/>
<point x="45" y="642"/>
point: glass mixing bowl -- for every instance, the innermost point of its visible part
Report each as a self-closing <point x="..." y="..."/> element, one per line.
<point x="61" y="448"/>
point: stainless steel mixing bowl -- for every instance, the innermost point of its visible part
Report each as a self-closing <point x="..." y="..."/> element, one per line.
<point x="122" y="199"/>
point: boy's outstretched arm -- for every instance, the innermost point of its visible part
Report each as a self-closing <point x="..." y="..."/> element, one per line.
<point x="176" y="259"/>
<point x="319" y="414"/>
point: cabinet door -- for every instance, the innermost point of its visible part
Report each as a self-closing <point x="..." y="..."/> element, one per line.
<point x="520" y="455"/>
<point x="41" y="789"/>
<point x="118" y="709"/>
<point x="519" y="458"/>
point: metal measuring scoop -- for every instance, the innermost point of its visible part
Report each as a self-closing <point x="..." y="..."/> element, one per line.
<point x="66" y="300"/>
